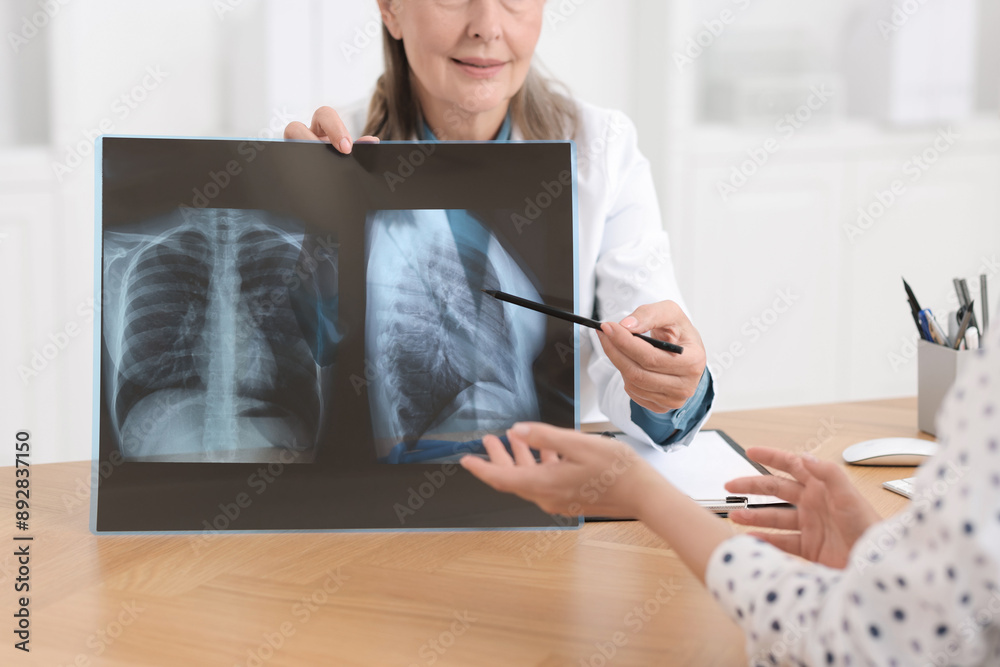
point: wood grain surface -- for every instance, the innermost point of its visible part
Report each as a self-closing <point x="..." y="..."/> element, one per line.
<point x="606" y="594"/>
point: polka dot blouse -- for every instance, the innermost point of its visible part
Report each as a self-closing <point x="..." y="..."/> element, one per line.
<point x="920" y="588"/>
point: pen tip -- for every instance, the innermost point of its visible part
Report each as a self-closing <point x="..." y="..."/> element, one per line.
<point x="491" y="292"/>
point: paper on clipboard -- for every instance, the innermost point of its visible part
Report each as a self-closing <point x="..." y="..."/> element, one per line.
<point x="701" y="469"/>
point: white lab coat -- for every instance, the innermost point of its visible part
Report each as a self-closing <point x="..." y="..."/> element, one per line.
<point x="624" y="251"/>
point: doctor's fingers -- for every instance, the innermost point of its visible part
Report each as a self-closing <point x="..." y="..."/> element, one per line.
<point x="636" y="349"/>
<point x="767" y="485"/>
<point x="298" y="131"/>
<point x="660" y="315"/>
<point x="676" y="384"/>
<point x="690" y="364"/>
<point x="327" y="123"/>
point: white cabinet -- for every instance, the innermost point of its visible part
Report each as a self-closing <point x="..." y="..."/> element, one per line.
<point x="795" y="279"/>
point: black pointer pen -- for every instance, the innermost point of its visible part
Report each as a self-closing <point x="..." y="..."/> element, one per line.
<point x="572" y="317"/>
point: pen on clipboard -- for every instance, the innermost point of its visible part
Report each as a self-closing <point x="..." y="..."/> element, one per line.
<point x="730" y="503"/>
<point x="573" y="317"/>
<point x="720" y="506"/>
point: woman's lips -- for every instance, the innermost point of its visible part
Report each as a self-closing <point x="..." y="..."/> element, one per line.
<point x="480" y="68"/>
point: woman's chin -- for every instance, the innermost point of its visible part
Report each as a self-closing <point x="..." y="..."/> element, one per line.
<point x="466" y="102"/>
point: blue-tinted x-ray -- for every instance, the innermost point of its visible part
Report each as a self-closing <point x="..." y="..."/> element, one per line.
<point x="219" y="329"/>
<point x="448" y="362"/>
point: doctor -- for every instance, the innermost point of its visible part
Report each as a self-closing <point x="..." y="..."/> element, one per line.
<point x="462" y="70"/>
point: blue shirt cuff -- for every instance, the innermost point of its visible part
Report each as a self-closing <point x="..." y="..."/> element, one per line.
<point x="669" y="427"/>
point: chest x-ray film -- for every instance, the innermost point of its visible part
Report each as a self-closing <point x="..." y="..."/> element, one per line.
<point x="304" y="336"/>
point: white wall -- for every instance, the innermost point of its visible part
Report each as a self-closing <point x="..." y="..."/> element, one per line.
<point x="245" y="72"/>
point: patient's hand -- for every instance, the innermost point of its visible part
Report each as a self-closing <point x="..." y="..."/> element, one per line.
<point x="657" y="380"/>
<point x="829" y="517"/>
<point x="326" y="126"/>
<point x="578" y="473"/>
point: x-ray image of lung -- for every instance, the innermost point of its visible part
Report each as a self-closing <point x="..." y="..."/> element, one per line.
<point x="450" y="363"/>
<point x="219" y="329"/>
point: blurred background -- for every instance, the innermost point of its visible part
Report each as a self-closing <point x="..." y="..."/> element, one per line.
<point x="807" y="154"/>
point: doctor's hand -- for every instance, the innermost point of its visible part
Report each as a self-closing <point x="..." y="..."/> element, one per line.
<point x="655" y="379"/>
<point x="326" y="126"/>
<point x="829" y="515"/>
<point x="578" y="473"/>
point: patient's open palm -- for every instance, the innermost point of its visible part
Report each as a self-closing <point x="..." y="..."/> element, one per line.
<point x="829" y="515"/>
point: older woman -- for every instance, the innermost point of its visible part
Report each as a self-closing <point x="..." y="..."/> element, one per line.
<point x="462" y="70"/>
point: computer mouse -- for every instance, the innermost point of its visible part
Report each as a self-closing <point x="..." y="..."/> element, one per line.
<point x="890" y="452"/>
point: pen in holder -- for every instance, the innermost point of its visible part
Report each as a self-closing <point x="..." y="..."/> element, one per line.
<point x="937" y="368"/>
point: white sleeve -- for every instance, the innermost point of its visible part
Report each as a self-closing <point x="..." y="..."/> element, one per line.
<point x="920" y="588"/>
<point x="634" y="266"/>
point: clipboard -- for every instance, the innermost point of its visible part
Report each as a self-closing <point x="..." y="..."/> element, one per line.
<point x="701" y="469"/>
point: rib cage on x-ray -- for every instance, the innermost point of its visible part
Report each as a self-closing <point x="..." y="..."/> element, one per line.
<point x="447" y="359"/>
<point x="205" y="354"/>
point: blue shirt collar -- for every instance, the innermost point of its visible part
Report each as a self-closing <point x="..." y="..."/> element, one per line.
<point x="426" y="134"/>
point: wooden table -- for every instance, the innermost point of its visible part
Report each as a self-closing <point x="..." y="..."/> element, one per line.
<point x="542" y="598"/>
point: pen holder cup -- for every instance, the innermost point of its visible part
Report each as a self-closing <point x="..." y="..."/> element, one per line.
<point x="937" y="368"/>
